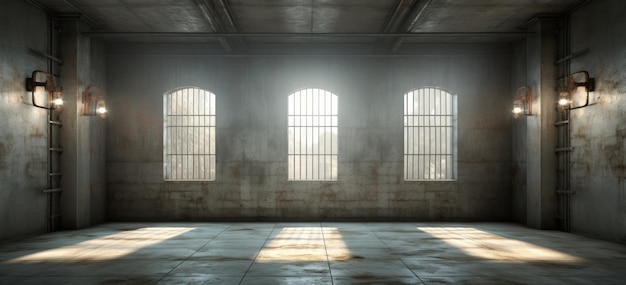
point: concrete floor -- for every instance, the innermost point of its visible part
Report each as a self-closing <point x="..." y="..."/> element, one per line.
<point x="311" y="253"/>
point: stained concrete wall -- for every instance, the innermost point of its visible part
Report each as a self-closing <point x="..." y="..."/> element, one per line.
<point x="24" y="35"/>
<point x="598" y="207"/>
<point x="599" y="131"/>
<point x="251" y="97"/>
<point x="23" y="135"/>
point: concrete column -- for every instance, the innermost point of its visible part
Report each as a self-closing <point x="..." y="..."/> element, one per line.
<point x="541" y="203"/>
<point x="75" y="133"/>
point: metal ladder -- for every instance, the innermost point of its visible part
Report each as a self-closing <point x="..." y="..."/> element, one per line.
<point x="54" y="190"/>
<point x="563" y="128"/>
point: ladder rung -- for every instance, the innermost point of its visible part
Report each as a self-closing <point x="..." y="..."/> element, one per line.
<point x="52" y="190"/>
<point x="58" y="123"/>
<point x="562" y="149"/>
<point x="561" y="123"/>
<point x="57" y="149"/>
<point x="55" y="174"/>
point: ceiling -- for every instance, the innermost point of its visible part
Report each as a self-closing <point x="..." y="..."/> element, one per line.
<point x="240" y="25"/>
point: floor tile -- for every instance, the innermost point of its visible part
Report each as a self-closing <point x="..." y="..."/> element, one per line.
<point x="377" y="280"/>
<point x="291" y="269"/>
<point x="255" y="280"/>
<point x="208" y="280"/>
<point x="311" y="253"/>
<point x="376" y="268"/>
<point x="202" y="268"/>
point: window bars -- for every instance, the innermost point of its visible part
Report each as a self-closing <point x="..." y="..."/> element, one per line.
<point x="429" y="135"/>
<point x="189" y="135"/>
<point x="312" y="134"/>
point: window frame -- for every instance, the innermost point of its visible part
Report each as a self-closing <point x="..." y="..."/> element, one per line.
<point x="451" y="174"/>
<point x="181" y="120"/>
<point x="315" y="117"/>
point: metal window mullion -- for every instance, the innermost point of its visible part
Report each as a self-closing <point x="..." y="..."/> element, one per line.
<point x="437" y="140"/>
<point x="430" y="133"/>
<point x="300" y="136"/>
<point x="322" y="112"/>
<point x="427" y="129"/>
<point x="179" y="146"/>
<point x="192" y="139"/>
<point x="446" y="138"/>
<point x="168" y="136"/>
<point x="329" y="148"/>
<point x="411" y="132"/>
<point x="183" y="141"/>
<point x="202" y="120"/>
<point x="406" y="177"/>
<point x="293" y="154"/>
<point x="306" y="138"/>
<point x="177" y="143"/>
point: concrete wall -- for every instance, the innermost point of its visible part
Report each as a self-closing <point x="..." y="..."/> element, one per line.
<point x="23" y="135"/>
<point x="24" y="35"/>
<point x="598" y="207"/>
<point x="599" y="131"/>
<point x="251" y="97"/>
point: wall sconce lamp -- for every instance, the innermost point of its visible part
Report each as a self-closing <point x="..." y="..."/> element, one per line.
<point x="576" y="93"/>
<point x="93" y="102"/>
<point x="523" y="101"/>
<point x="53" y="93"/>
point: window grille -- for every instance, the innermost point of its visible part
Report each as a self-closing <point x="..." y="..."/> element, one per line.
<point x="189" y="135"/>
<point x="429" y="135"/>
<point x="313" y="129"/>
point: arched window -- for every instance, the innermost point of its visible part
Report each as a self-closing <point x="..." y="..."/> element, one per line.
<point x="189" y="135"/>
<point x="313" y="129"/>
<point x="429" y="135"/>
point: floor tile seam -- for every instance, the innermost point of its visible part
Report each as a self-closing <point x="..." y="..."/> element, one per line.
<point x="191" y="255"/>
<point x="267" y="239"/>
<point x="330" y="270"/>
<point x="396" y="256"/>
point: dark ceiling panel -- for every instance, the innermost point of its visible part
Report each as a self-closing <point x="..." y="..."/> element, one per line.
<point x="182" y="17"/>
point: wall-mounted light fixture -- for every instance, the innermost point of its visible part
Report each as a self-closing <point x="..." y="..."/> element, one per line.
<point x="52" y="100"/>
<point x="523" y="101"/>
<point x="93" y="102"/>
<point x="576" y="93"/>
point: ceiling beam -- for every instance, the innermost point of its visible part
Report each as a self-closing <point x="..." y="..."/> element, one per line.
<point x="83" y="16"/>
<point x="393" y="17"/>
<point x="230" y="19"/>
<point x="416" y="12"/>
<point x="209" y="15"/>
<point x="307" y="35"/>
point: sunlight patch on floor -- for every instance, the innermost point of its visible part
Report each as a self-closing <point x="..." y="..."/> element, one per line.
<point x="105" y="248"/>
<point x="304" y="244"/>
<point x="488" y="246"/>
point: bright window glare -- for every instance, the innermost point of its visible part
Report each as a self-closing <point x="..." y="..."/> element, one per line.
<point x="104" y="248"/>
